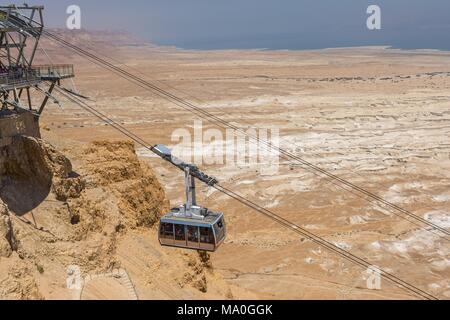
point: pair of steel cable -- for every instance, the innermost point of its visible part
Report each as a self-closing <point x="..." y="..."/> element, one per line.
<point x="336" y="180"/>
<point x="224" y="124"/>
<point x="254" y="206"/>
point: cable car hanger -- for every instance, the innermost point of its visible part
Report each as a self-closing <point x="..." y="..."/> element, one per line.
<point x="361" y="262"/>
<point x="190" y="226"/>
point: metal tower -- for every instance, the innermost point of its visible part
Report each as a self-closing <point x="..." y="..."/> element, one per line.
<point x="21" y="28"/>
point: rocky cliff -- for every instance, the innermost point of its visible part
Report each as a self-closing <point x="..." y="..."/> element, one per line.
<point x="99" y="216"/>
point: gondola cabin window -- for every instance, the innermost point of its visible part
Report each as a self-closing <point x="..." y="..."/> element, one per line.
<point x="166" y="231"/>
<point x="206" y="235"/>
<point x="179" y="233"/>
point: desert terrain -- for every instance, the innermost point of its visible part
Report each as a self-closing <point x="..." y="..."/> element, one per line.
<point x="376" y="116"/>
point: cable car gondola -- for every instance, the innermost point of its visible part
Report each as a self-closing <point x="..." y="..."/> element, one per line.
<point x="191" y="226"/>
<point x="178" y="230"/>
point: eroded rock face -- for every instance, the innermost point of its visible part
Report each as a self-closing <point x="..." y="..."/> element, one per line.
<point x="8" y="241"/>
<point x="120" y="194"/>
<point x="140" y="197"/>
<point x="83" y="219"/>
<point x="17" y="281"/>
<point x="16" y="278"/>
<point x="30" y="169"/>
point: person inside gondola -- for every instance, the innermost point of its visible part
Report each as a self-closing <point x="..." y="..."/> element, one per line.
<point x="192" y="234"/>
<point x="179" y="232"/>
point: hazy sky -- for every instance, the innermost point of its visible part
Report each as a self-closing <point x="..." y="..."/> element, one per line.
<point x="277" y="24"/>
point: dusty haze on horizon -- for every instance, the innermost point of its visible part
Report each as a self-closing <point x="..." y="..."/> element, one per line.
<point x="289" y="24"/>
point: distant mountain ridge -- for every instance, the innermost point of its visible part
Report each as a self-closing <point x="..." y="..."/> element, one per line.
<point x="107" y="37"/>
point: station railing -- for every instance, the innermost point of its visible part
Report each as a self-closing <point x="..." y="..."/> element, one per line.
<point x="22" y="77"/>
<point x="19" y="78"/>
<point x="54" y="71"/>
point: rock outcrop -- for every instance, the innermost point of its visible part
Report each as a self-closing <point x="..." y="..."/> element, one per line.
<point x="8" y="241"/>
<point x="52" y="217"/>
<point x="141" y="198"/>
<point x="30" y="169"/>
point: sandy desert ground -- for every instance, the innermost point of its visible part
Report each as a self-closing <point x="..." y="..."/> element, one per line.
<point x="376" y="116"/>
